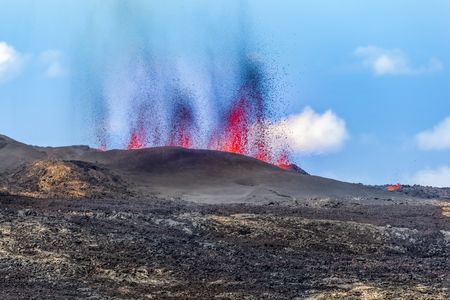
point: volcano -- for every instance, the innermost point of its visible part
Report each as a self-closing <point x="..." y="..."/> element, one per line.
<point x="196" y="175"/>
<point x="180" y="223"/>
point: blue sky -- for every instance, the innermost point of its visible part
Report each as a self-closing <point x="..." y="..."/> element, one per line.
<point x="380" y="68"/>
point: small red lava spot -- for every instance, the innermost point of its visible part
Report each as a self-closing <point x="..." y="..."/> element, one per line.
<point x="393" y="188"/>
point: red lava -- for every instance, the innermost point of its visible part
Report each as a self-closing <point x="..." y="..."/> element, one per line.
<point x="242" y="130"/>
<point x="393" y="188"/>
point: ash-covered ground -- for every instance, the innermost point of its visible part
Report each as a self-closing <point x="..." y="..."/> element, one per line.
<point x="171" y="223"/>
<point x="162" y="249"/>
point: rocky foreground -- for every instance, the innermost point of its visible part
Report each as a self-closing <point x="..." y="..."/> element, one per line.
<point x="173" y="223"/>
<point x="163" y="249"/>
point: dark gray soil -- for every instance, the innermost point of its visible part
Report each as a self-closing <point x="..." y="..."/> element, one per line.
<point x="157" y="249"/>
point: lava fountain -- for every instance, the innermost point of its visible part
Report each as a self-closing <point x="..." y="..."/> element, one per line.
<point x="242" y="127"/>
<point x="205" y="90"/>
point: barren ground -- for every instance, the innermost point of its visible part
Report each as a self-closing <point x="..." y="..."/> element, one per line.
<point x="171" y="223"/>
<point x="156" y="249"/>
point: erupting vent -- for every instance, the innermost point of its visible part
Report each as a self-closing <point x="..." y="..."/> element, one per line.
<point x="176" y="119"/>
<point x="150" y="86"/>
<point x="242" y="131"/>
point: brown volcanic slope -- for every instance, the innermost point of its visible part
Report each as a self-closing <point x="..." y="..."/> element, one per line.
<point x="196" y="175"/>
<point x="55" y="178"/>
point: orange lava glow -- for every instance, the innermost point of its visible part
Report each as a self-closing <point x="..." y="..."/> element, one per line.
<point x="393" y="188"/>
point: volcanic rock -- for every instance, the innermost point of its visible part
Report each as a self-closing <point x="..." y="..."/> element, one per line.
<point x="54" y="178"/>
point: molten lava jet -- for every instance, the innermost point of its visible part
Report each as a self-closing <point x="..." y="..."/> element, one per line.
<point x="243" y="128"/>
<point x="234" y="136"/>
<point x="138" y="137"/>
<point x="284" y="162"/>
<point x="137" y="141"/>
<point x="243" y="132"/>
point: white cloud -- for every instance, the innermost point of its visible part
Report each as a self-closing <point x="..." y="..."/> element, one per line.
<point x="52" y="60"/>
<point x="439" y="177"/>
<point x="11" y="62"/>
<point x="393" y="62"/>
<point x="437" y="138"/>
<point x="312" y="133"/>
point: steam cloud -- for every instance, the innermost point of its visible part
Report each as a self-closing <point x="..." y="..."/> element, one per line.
<point x="393" y="62"/>
<point x="439" y="177"/>
<point x="313" y="133"/>
<point x="437" y="138"/>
